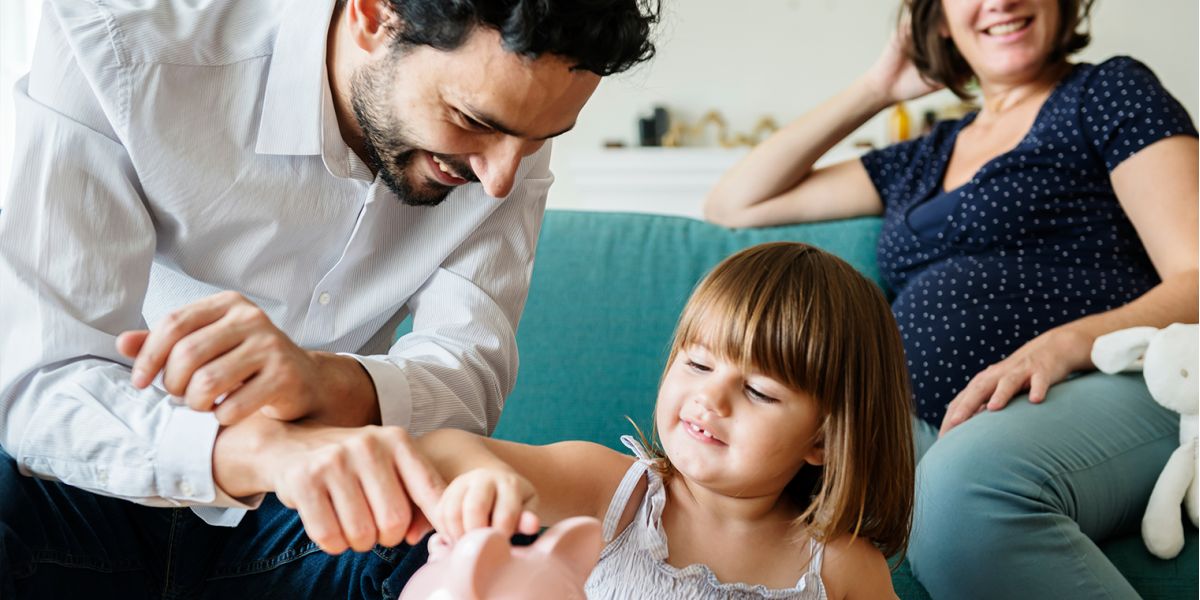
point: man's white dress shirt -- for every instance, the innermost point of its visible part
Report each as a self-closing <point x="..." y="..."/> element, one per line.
<point x="167" y="153"/>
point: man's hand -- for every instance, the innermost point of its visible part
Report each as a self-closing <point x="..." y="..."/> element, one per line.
<point x="353" y="487"/>
<point x="223" y="354"/>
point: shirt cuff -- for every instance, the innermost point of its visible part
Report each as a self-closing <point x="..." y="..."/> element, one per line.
<point x="221" y="517"/>
<point x="183" y="469"/>
<point x="391" y="389"/>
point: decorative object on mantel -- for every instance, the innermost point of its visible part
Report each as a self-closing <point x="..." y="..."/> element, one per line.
<point x="652" y="129"/>
<point x="680" y="131"/>
<point x="899" y="124"/>
<point x="928" y="120"/>
<point x="900" y="127"/>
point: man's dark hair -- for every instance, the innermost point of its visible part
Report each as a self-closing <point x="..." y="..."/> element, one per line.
<point x="601" y="36"/>
<point x="939" y="61"/>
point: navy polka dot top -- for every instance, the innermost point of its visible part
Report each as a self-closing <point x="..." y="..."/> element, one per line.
<point x="1034" y="240"/>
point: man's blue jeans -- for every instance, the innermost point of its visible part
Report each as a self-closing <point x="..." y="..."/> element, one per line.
<point x="57" y="541"/>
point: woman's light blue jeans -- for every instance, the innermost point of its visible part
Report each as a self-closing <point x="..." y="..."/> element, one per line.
<point x="1010" y="503"/>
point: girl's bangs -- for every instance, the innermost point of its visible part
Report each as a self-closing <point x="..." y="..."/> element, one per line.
<point x="762" y="331"/>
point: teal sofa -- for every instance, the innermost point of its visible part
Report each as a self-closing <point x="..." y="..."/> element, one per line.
<point x="607" y="289"/>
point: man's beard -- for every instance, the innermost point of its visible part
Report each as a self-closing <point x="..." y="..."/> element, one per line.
<point x="386" y="140"/>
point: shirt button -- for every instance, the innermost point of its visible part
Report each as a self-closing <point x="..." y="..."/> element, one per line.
<point x="324" y="298"/>
<point x="102" y="477"/>
<point x="186" y="488"/>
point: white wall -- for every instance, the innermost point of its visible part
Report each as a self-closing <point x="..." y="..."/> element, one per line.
<point x="751" y="58"/>
<point x="782" y="57"/>
<point x="18" y="25"/>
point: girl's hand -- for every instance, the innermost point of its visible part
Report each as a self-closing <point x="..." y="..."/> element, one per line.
<point x="1039" y="364"/>
<point x="893" y="75"/>
<point x="485" y="497"/>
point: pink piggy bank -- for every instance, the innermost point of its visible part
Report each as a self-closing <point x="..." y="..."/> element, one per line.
<point x="484" y="566"/>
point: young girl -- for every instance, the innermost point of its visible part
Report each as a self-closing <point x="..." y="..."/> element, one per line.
<point x="786" y="461"/>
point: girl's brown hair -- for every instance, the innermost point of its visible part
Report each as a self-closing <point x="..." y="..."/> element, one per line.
<point x="807" y="319"/>
<point x="939" y="61"/>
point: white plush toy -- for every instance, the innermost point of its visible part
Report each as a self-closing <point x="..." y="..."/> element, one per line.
<point x="1168" y="359"/>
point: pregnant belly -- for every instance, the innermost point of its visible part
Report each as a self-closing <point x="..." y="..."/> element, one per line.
<point x="961" y="315"/>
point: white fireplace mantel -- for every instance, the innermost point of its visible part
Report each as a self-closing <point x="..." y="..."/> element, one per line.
<point x="670" y="181"/>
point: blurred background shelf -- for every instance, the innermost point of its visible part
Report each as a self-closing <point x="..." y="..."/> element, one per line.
<point x="667" y="181"/>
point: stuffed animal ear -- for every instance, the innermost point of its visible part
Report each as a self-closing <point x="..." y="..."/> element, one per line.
<point x="1121" y="350"/>
<point x="576" y="542"/>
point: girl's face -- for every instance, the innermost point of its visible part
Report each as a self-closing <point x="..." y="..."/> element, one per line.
<point x="1004" y="41"/>
<point x="737" y="433"/>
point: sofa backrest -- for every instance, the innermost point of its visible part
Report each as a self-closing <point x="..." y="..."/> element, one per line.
<point x="606" y="293"/>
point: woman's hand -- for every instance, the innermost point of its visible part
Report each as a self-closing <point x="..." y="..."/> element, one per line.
<point x="893" y="75"/>
<point x="1039" y="364"/>
<point x="487" y="497"/>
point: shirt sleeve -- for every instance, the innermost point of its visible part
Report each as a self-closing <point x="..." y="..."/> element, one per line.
<point x="892" y="170"/>
<point x="76" y="246"/>
<point x="460" y="361"/>
<point x="1124" y="108"/>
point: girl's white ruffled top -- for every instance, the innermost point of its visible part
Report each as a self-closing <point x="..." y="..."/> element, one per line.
<point x="634" y="563"/>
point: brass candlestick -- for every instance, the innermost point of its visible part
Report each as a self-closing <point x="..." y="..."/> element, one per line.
<point x="679" y="131"/>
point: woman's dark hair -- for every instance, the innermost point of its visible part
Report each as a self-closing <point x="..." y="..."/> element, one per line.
<point x="601" y="36"/>
<point x="939" y="61"/>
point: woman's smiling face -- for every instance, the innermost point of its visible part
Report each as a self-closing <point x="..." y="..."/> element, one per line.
<point x="1004" y="41"/>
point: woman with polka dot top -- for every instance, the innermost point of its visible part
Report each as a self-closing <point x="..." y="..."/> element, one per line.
<point x="1064" y="209"/>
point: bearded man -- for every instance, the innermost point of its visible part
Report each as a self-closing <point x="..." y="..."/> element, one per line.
<point x="272" y="186"/>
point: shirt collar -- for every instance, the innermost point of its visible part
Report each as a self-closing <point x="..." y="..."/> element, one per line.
<point x="291" y="118"/>
<point x="339" y="159"/>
